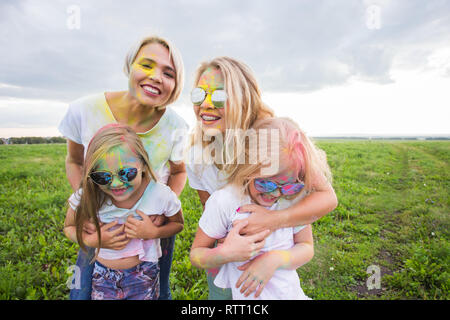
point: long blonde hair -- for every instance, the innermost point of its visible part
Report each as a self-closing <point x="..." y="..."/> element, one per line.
<point x="244" y="103"/>
<point x="174" y="54"/>
<point x="292" y="148"/>
<point x="92" y="197"/>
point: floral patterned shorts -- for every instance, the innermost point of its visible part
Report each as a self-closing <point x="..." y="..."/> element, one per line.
<point x="138" y="283"/>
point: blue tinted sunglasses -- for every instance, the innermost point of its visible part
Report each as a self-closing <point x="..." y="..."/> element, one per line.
<point x="104" y="177"/>
<point x="289" y="189"/>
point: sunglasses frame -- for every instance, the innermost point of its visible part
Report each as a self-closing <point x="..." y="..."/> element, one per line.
<point x="280" y="187"/>
<point x="114" y="174"/>
<point x="210" y="93"/>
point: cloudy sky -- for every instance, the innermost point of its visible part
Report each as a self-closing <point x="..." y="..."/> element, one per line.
<point x="337" y="67"/>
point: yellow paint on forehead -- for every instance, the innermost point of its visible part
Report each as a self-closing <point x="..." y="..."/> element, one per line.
<point x="211" y="78"/>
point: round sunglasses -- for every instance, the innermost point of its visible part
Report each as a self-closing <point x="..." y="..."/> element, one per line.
<point x="289" y="189"/>
<point x="105" y="177"/>
<point x="218" y="97"/>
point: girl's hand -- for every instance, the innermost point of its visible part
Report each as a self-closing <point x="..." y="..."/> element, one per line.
<point x="111" y="239"/>
<point x="141" y="229"/>
<point x="242" y="248"/>
<point x="260" y="219"/>
<point x="89" y="227"/>
<point x="257" y="273"/>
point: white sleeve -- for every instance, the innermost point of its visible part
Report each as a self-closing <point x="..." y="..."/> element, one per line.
<point x="215" y="220"/>
<point x="70" y="125"/>
<point x="161" y="201"/>
<point x="172" y="203"/>
<point x="75" y="198"/>
<point x="194" y="177"/>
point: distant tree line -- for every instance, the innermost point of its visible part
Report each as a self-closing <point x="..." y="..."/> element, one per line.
<point x="33" y="140"/>
<point x="382" y="138"/>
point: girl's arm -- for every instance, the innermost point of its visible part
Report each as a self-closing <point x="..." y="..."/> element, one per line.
<point x="74" y="163"/>
<point x="146" y="229"/>
<point x="259" y="271"/>
<point x="234" y="248"/>
<point x="314" y="206"/>
<point x="109" y="239"/>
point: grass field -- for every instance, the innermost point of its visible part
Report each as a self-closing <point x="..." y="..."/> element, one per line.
<point x="393" y="213"/>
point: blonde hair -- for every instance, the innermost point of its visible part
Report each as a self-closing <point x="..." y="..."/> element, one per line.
<point x="244" y="103"/>
<point x="92" y="198"/>
<point x="174" y="54"/>
<point x="292" y="148"/>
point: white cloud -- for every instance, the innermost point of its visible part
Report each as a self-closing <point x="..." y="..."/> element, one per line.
<point x="404" y="107"/>
<point x="316" y="53"/>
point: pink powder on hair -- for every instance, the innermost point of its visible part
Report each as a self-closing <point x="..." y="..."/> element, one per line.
<point x="295" y="152"/>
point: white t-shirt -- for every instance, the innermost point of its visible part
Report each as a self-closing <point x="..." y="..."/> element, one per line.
<point x="217" y="221"/>
<point x="157" y="199"/>
<point x="202" y="176"/>
<point x="164" y="142"/>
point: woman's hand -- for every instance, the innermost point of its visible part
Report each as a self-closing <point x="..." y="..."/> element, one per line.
<point x="110" y="239"/>
<point x="242" y="248"/>
<point x="260" y="219"/>
<point x="158" y="220"/>
<point x="141" y="229"/>
<point x="256" y="273"/>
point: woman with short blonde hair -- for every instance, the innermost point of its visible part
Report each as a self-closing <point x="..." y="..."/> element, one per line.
<point x="175" y="55"/>
<point x="155" y="72"/>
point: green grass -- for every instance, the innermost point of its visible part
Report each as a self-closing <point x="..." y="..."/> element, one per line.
<point x="393" y="212"/>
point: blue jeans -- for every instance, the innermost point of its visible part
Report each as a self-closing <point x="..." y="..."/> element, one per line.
<point x="86" y="269"/>
<point x="216" y="293"/>
<point x="138" y="283"/>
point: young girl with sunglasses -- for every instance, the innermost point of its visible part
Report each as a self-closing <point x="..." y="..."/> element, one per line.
<point x="155" y="73"/>
<point x="275" y="259"/>
<point x="119" y="191"/>
<point x="227" y="98"/>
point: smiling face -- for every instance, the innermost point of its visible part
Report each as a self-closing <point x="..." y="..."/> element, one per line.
<point x="122" y="193"/>
<point x="267" y="199"/>
<point x="152" y="75"/>
<point x="210" y="116"/>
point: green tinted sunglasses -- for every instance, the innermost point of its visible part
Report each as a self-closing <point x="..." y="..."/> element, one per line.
<point x="218" y="97"/>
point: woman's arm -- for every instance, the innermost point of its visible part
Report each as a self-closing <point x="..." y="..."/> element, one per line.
<point x="314" y="206"/>
<point x="74" y="163"/>
<point x="259" y="271"/>
<point x="177" y="178"/>
<point x="234" y="248"/>
<point x="204" y="196"/>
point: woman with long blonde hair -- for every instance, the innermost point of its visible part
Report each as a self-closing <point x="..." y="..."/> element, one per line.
<point x="227" y="102"/>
